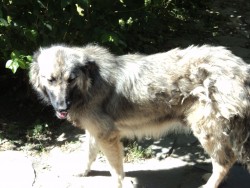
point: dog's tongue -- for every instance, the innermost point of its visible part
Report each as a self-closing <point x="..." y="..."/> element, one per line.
<point x="62" y="115"/>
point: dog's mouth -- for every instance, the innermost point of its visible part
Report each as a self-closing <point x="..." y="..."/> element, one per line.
<point x="62" y="114"/>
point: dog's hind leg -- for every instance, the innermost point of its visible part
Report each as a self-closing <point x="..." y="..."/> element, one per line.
<point x="221" y="154"/>
<point x="218" y="174"/>
<point x="210" y="132"/>
<point x="222" y="157"/>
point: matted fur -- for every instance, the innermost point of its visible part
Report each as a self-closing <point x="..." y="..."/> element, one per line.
<point x="200" y="89"/>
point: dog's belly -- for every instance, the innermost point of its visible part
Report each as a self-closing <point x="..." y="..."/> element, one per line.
<point x="141" y="127"/>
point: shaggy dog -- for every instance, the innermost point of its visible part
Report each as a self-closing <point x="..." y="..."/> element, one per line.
<point x="204" y="89"/>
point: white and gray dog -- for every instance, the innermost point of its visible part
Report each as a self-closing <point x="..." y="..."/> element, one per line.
<point x="204" y="89"/>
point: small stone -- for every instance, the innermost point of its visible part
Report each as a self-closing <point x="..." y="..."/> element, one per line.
<point x="61" y="138"/>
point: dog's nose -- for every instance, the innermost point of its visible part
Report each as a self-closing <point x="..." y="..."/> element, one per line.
<point x="63" y="105"/>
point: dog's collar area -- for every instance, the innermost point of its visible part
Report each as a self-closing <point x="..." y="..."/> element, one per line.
<point x="62" y="114"/>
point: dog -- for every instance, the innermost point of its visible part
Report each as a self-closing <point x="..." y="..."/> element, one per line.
<point x="203" y="89"/>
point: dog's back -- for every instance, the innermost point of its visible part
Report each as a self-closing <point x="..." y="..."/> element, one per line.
<point x="206" y="88"/>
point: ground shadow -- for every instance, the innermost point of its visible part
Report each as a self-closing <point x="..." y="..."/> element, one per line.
<point x="181" y="177"/>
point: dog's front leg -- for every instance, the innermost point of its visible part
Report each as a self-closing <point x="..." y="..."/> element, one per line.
<point x="112" y="148"/>
<point x="91" y="150"/>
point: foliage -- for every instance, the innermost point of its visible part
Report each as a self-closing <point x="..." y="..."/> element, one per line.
<point x="134" y="152"/>
<point x="38" y="132"/>
<point x="122" y="25"/>
<point x="18" y="60"/>
<point x="39" y="135"/>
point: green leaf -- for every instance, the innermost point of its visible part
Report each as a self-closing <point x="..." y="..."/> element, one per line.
<point x="9" y="19"/>
<point x="48" y="26"/>
<point x="110" y="37"/>
<point x="18" y="60"/>
<point x="22" y="63"/>
<point x="12" y="65"/>
<point x="79" y="10"/>
<point x="3" y="22"/>
<point x="29" y="58"/>
<point x="8" y="64"/>
<point x="14" y="54"/>
<point x="41" y="4"/>
<point x="30" y="34"/>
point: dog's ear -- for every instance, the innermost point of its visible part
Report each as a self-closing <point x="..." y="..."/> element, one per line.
<point x="34" y="77"/>
<point x="34" y="70"/>
<point x="91" y="67"/>
<point x="91" y="70"/>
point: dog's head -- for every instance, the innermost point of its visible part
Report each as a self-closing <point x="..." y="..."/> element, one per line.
<point x="59" y="74"/>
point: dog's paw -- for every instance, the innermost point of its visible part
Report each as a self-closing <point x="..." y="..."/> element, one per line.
<point x="83" y="174"/>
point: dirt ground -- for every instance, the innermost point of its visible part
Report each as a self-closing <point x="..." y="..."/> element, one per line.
<point x="54" y="148"/>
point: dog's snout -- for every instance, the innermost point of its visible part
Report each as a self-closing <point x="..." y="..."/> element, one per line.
<point x="63" y="105"/>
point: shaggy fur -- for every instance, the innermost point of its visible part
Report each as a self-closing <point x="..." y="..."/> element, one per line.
<point x="203" y="89"/>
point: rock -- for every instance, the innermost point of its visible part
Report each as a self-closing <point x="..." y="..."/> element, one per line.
<point x="16" y="170"/>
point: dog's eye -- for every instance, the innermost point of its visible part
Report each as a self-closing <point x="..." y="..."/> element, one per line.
<point x="71" y="79"/>
<point x="51" y="80"/>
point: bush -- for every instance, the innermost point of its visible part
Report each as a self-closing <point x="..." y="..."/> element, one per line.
<point x="123" y="26"/>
